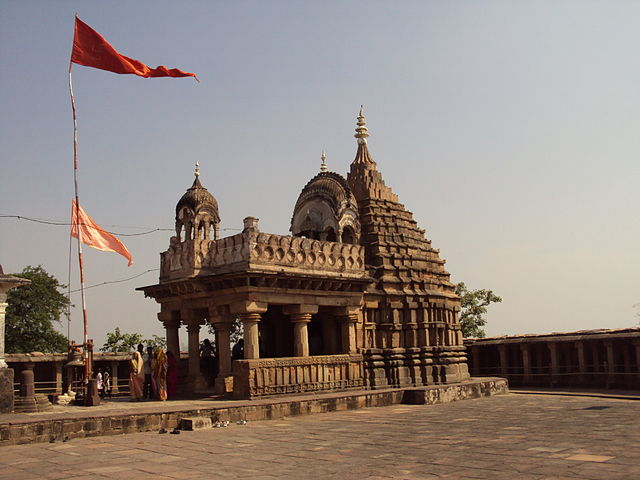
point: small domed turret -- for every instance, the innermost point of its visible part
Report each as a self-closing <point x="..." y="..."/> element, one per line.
<point x="197" y="212"/>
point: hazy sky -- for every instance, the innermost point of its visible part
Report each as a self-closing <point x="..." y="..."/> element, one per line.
<point x="509" y="128"/>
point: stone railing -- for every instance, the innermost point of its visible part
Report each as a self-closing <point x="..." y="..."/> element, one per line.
<point x="255" y="250"/>
<point x="269" y="376"/>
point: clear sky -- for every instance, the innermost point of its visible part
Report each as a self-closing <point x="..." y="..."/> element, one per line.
<point x="509" y="128"/>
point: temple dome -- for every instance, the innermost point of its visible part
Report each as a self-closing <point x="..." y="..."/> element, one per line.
<point x="326" y="210"/>
<point x="198" y="199"/>
<point x="197" y="213"/>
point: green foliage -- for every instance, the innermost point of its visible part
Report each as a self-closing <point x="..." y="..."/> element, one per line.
<point x="121" y="342"/>
<point x="32" y="311"/>
<point x="474" y="305"/>
<point x="126" y="342"/>
<point x="236" y="333"/>
<point x="156" y="342"/>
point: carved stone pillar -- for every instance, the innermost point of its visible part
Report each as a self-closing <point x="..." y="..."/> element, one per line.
<point x="348" y="316"/>
<point x="626" y="357"/>
<point x="636" y="344"/>
<point x="57" y="372"/>
<point x="193" y="319"/>
<point x="114" y="377"/>
<point x="251" y="334"/>
<point x="300" y="333"/>
<point x="553" y="353"/>
<point x="504" y="361"/>
<point x="249" y="314"/>
<point x="171" y="321"/>
<point x="300" y="316"/>
<point x="193" y="329"/>
<point x="525" y="350"/>
<point x="581" y="362"/>
<point x="476" y="355"/>
<point x="611" y="364"/>
<point x="222" y="320"/>
<point x="223" y="344"/>
<point x="27" y="383"/>
<point x="595" y="353"/>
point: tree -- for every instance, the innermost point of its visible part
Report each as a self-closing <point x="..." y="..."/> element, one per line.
<point x="474" y="305"/>
<point x="236" y="333"/>
<point x="125" y="342"/>
<point x="156" y="342"/>
<point x="121" y="342"/>
<point x="32" y="311"/>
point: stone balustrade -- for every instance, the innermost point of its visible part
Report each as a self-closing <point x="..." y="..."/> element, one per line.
<point x="269" y="376"/>
<point x="261" y="251"/>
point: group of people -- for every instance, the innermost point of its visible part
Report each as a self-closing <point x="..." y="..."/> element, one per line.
<point x="103" y="380"/>
<point x="152" y="375"/>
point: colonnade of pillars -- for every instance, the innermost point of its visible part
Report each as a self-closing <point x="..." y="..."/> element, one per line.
<point x="525" y="361"/>
<point x="57" y="385"/>
<point x="250" y="314"/>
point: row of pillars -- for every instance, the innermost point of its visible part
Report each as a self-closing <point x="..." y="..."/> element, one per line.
<point x="58" y="368"/>
<point x="525" y="350"/>
<point x="250" y="314"/>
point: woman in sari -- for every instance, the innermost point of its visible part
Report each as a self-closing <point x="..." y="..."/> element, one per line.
<point x="172" y="374"/>
<point x="160" y="374"/>
<point x="136" y="375"/>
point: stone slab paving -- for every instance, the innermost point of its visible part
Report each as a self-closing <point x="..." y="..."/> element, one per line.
<point x="502" y="437"/>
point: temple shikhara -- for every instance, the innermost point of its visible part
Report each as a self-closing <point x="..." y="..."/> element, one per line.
<point x="355" y="297"/>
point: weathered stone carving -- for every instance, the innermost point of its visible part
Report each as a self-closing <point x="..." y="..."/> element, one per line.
<point x="377" y="287"/>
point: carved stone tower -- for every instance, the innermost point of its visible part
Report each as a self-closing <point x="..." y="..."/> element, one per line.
<point x="412" y="303"/>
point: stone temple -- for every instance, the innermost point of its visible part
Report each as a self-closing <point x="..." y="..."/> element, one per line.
<point x="355" y="297"/>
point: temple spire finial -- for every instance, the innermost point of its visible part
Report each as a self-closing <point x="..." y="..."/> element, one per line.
<point x="323" y="165"/>
<point x="197" y="171"/>
<point x="361" y="130"/>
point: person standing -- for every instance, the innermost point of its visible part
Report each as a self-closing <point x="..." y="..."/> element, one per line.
<point x="160" y="374"/>
<point x="100" y="383"/>
<point x="207" y="361"/>
<point x="107" y="383"/>
<point x="136" y="374"/>
<point x="148" y="368"/>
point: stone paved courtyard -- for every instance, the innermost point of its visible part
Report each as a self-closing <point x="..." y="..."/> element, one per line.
<point x="510" y="436"/>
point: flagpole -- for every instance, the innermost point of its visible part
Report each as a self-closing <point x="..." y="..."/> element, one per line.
<point x="87" y="367"/>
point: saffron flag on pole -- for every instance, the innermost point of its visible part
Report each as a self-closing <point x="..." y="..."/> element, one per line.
<point x="93" y="235"/>
<point x="92" y="50"/>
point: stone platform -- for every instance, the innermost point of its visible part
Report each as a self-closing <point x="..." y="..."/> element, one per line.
<point x="122" y="416"/>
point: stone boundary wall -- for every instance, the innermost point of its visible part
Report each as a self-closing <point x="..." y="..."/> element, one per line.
<point x="43" y="429"/>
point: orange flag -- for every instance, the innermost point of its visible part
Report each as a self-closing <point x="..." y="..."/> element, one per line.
<point x="92" y="50"/>
<point x="94" y="236"/>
